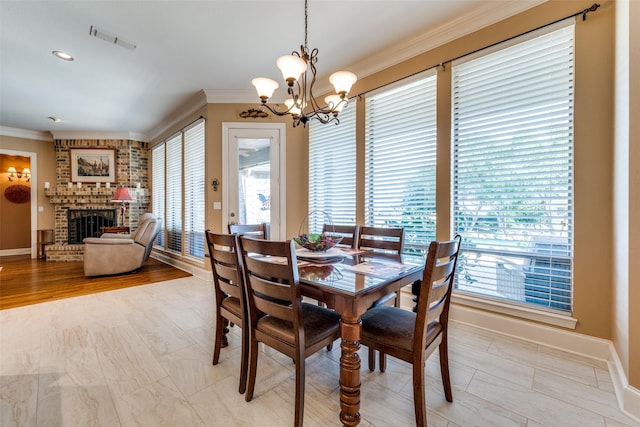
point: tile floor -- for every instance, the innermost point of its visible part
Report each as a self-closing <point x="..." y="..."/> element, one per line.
<point x="141" y="356"/>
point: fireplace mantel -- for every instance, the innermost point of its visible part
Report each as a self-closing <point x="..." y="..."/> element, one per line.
<point x="62" y="195"/>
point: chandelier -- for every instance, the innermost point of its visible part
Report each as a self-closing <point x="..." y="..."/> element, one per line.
<point x="302" y="104"/>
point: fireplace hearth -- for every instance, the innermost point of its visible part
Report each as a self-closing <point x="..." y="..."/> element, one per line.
<point x="84" y="223"/>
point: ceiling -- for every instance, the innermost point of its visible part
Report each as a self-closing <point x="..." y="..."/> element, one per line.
<point x="189" y="49"/>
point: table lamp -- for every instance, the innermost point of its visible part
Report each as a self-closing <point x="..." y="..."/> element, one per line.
<point x="122" y="195"/>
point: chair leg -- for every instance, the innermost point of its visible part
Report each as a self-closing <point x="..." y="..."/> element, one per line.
<point x="218" y="344"/>
<point x="244" y="360"/>
<point x="372" y="359"/>
<point x="444" y="369"/>
<point x="300" y="373"/>
<point x="396" y="302"/>
<point x="329" y="347"/>
<point x="253" y="364"/>
<point x="383" y="361"/>
<point x="419" y="394"/>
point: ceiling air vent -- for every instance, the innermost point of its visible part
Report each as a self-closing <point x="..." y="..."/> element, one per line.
<point x="111" y="38"/>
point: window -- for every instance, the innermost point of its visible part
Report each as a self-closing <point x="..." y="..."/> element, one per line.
<point x="194" y="190"/>
<point x="173" y="214"/>
<point x="158" y="188"/>
<point x="513" y="170"/>
<point x="332" y="171"/>
<point x="400" y="162"/>
<point x="179" y="191"/>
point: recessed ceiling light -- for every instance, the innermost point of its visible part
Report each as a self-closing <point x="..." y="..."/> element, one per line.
<point x="55" y="119"/>
<point x="62" y="55"/>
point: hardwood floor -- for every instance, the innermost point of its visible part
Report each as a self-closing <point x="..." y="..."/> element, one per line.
<point x="25" y="281"/>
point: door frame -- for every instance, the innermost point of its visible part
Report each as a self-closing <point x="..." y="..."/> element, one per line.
<point x="33" y="162"/>
<point x="282" y="156"/>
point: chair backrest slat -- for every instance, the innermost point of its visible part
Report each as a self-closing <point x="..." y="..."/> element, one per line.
<point x="436" y="287"/>
<point x="384" y="239"/>
<point x="257" y="231"/>
<point x="349" y="234"/>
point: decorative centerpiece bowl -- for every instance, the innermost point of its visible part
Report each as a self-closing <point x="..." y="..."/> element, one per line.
<point x="317" y="242"/>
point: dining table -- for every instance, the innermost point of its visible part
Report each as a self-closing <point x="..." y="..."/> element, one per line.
<point x="350" y="281"/>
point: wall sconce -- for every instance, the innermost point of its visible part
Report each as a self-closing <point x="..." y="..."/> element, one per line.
<point x="13" y="173"/>
<point x="215" y="184"/>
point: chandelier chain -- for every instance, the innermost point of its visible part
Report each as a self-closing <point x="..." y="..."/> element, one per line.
<point x="306" y="19"/>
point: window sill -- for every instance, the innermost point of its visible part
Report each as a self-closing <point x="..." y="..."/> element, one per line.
<point x="528" y="313"/>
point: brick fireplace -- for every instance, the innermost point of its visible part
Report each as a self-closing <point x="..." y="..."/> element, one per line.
<point x="131" y="169"/>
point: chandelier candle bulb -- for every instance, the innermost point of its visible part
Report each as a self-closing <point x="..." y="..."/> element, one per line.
<point x="291" y="67"/>
<point x="97" y="185"/>
<point x="46" y="185"/>
<point x="108" y="185"/>
<point x="69" y="184"/>
<point x="334" y="104"/>
<point x="79" y="185"/>
<point x="342" y="81"/>
<point x="265" y="87"/>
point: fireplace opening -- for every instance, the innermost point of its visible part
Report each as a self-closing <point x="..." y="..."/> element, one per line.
<point x="84" y="223"/>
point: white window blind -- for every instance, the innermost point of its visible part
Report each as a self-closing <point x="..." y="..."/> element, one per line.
<point x="332" y="171"/>
<point x="174" y="194"/>
<point x="194" y="190"/>
<point x="158" y="188"/>
<point x="513" y="170"/>
<point x="400" y="162"/>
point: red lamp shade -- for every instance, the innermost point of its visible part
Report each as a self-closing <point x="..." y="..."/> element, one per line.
<point x="122" y="195"/>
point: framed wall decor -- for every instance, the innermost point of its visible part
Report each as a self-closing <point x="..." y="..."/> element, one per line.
<point x="93" y="165"/>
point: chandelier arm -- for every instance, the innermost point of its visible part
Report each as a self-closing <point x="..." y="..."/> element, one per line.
<point x="275" y="110"/>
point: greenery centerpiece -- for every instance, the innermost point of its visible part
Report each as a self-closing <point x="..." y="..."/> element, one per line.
<point x="317" y="242"/>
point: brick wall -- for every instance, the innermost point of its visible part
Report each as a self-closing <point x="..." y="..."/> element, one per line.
<point x="131" y="169"/>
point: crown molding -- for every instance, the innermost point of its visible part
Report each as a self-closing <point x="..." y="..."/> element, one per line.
<point x="489" y="14"/>
<point x="190" y="107"/>
<point x="134" y="136"/>
<point x="26" y="134"/>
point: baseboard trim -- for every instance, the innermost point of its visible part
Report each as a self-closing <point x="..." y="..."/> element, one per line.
<point x="573" y="342"/>
<point x="197" y="271"/>
<point x="13" y="252"/>
<point x="627" y="395"/>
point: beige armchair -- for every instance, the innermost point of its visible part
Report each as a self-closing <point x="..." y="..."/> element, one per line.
<point x="115" y="254"/>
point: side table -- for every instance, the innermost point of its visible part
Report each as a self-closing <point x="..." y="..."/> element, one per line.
<point x="115" y="229"/>
<point x="44" y="237"/>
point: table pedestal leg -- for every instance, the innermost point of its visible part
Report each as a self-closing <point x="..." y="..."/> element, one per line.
<point x="350" y="372"/>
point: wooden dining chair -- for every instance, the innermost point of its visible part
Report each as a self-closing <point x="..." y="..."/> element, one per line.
<point x="228" y="281"/>
<point x="349" y="234"/>
<point x="412" y="337"/>
<point x="258" y="231"/>
<point x="387" y="241"/>
<point x="277" y="315"/>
